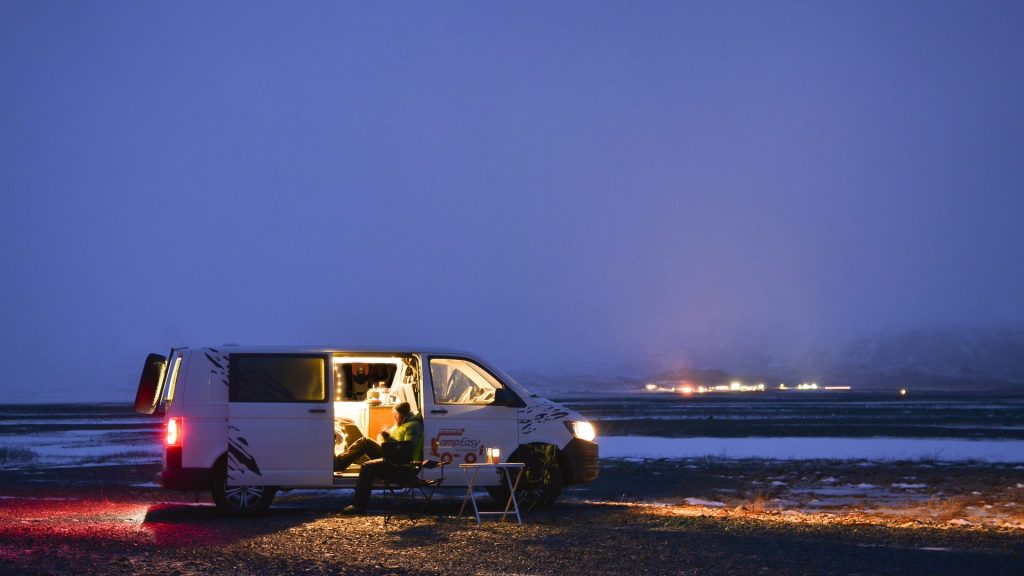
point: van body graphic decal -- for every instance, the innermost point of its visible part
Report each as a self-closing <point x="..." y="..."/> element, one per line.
<point x="238" y="454"/>
<point x="544" y="411"/>
<point x="452" y="443"/>
<point x="219" y="363"/>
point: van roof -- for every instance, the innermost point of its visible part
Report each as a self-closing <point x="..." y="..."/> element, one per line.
<point x="336" y="349"/>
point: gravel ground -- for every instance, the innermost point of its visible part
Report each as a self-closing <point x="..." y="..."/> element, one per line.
<point x="633" y="520"/>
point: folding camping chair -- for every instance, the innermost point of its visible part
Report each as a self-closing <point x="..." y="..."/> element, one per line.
<point x="402" y="481"/>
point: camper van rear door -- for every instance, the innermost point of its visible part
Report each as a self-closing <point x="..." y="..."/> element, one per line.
<point x="151" y="383"/>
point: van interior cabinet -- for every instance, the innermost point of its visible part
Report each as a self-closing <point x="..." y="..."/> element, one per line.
<point x="378" y="418"/>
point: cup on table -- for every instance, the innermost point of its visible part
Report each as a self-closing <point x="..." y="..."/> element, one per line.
<point x="493" y="456"/>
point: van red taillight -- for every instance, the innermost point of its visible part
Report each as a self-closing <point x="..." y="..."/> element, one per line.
<point x="174" y="431"/>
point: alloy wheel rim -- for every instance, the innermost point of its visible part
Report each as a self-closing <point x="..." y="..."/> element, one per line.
<point x="242" y="497"/>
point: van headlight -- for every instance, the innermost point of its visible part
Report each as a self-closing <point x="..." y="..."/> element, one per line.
<point x="581" y="429"/>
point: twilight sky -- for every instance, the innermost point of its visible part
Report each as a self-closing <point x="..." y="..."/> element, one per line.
<point x="558" y="186"/>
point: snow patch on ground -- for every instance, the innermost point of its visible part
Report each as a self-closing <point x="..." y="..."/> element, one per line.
<point x="938" y="449"/>
<point x="77" y="422"/>
<point x="82" y="448"/>
<point x="702" y="502"/>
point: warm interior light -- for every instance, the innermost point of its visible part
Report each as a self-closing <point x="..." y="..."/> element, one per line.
<point x="173" y="431"/>
<point x="172" y="384"/>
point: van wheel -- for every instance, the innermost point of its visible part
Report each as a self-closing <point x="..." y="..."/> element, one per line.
<point x="541" y="483"/>
<point x="240" y="500"/>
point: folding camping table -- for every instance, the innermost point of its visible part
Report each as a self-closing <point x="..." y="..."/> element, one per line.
<point x="503" y="469"/>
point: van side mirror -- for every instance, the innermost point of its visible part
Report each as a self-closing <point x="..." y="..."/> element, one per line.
<point x="506" y="397"/>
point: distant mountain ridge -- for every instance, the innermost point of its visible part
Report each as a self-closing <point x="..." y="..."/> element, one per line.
<point x="547" y="385"/>
<point x="989" y="352"/>
<point x="943" y="358"/>
<point x="949" y="356"/>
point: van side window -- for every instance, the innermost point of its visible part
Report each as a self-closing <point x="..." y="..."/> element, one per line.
<point x="277" y="378"/>
<point x="461" y="382"/>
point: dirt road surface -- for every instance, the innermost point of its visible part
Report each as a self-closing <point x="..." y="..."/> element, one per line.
<point x="110" y="520"/>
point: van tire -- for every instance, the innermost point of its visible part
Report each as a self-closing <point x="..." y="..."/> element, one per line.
<point x="239" y="500"/>
<point x="541" y="483"/>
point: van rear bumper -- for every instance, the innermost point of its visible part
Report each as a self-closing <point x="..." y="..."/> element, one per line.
<point x="185" y="479"/>
<point x="581" y="458"/>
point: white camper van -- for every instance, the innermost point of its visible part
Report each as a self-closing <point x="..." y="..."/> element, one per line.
<point x="245" y="422"/>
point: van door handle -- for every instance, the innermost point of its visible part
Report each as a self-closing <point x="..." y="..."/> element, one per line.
<point x="438" y="411"/>
<point x="318" y="410"/>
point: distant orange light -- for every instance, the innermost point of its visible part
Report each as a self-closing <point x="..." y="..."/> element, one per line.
<point x="903" y="391"/>
<point x="686" y="390"/>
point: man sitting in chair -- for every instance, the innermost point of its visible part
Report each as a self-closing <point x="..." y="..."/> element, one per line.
<point x="408" y="428"/>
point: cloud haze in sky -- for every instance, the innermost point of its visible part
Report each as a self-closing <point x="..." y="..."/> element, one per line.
<point x="556" y="186"/>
